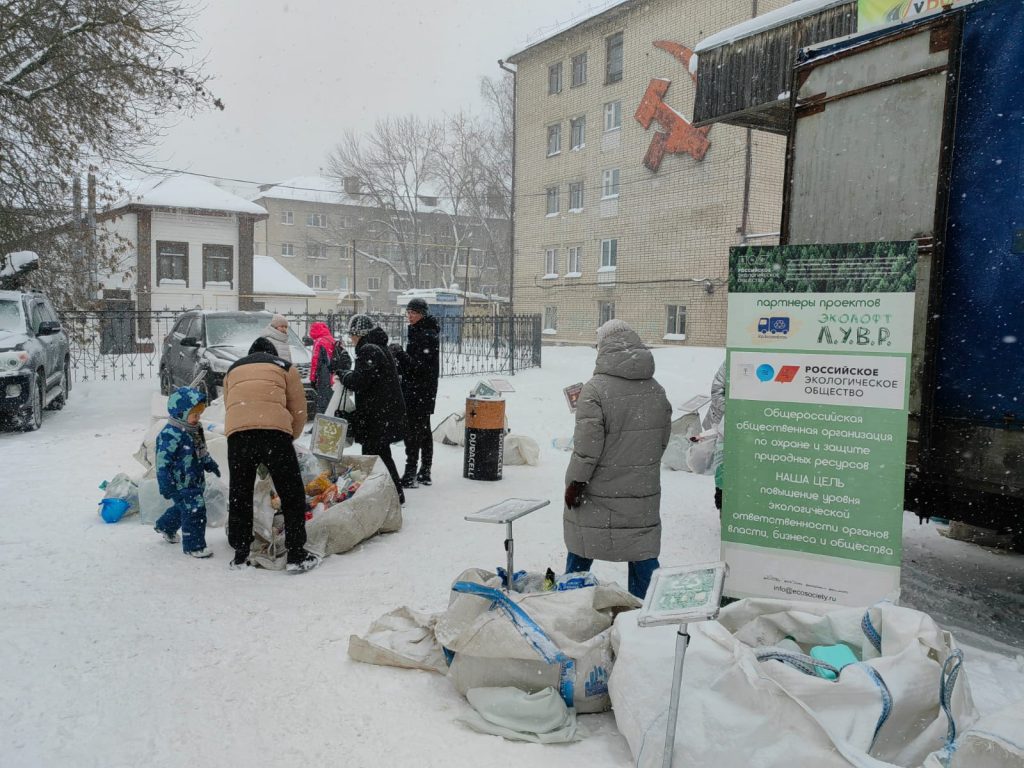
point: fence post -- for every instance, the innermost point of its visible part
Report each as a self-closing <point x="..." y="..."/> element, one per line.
<point x="537" y="336"/>
<point x="512" y="345"/>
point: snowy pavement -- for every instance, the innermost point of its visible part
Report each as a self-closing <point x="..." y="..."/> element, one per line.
<point x="120" y="651"/>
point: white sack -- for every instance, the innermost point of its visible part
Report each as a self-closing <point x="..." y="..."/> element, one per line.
<point x="152" y="504"/>
<point x="995" y="741"/>
<point x="519" y="450"/>
<point x="540" y="717"/>
<point x="491" y="652"/>
<point x="700" y="458"/>
<point x="402" y="638"/>
<point x="736" y="710"/>
<point x="451" y="431"/>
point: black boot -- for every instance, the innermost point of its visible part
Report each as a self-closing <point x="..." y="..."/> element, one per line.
<point x="424" y="475"/>
<point x="409" y="478"/>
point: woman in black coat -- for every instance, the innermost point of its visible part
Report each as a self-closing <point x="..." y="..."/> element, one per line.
<point x="380" y="408"/>
<point x="419" y="366"/>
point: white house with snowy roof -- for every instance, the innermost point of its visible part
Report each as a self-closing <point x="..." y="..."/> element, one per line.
<point x="277" y="289"/>
<point x="182" y="242"/>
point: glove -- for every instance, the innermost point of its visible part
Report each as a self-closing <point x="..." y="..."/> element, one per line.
<point x="213" y="469"/>
<point x="574" y="494"/>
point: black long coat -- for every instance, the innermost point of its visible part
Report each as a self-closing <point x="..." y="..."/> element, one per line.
<point x="420" y="365"/>
<point x="380" y="408"/>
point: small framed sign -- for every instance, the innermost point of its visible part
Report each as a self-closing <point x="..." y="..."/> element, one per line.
<point x="572" y="395"/>
<point x="328" y="438"/>
<point x="683" y="594"/>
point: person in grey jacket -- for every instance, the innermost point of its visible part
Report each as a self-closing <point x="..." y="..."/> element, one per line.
<point x="613" y="482"/>
<point x="277" y="333"/>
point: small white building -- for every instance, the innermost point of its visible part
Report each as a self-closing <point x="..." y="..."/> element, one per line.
<point x="182" y="242"/>
<point x="277" y="289"/>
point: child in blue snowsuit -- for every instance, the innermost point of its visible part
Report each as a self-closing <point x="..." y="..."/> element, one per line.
<point x="181" y="461"/>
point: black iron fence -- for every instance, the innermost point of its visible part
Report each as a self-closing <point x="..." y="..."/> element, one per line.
<point x="125" y="345"/>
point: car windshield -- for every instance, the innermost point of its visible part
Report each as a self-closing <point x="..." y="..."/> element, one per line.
<point x="10" y="316"/>
<point x="240" y="330"/>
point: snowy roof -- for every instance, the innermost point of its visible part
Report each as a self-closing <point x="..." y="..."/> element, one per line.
<point x="270" y="278"/>
<point x="17" y="261"/>
<point x="186" y="192"/>
<point x="777" y="18"/>
<point x="431" y="296"/>
<point x="560" y="28"/>
<point x="309" y="189"/>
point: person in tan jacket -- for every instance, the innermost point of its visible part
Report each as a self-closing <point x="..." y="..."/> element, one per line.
<point x="265" y="411"/>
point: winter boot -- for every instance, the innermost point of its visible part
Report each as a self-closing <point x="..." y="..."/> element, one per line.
<point x="170" y="538"/>
<point x="423" y="478"/>
<point x="409" y="478"/>
<point x="301" y="560"/>
<point x="240" y="560"/>
<point x="200" y="553"/>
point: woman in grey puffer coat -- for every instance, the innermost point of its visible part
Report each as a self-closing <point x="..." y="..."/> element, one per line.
<point x="613" y="483"/>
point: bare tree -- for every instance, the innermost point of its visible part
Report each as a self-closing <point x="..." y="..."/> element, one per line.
<point x="82" y="82"/>
<point x="392" y="169"/>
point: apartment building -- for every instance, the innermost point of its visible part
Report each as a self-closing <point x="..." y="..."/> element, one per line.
<point x="313" y="225"/>
<point x="624" y="208"/>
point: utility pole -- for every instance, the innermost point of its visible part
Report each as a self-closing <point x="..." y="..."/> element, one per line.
<point x="355" y="294"/>
<point x="93" y="290"/>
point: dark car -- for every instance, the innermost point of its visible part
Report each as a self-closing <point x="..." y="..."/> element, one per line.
<point x="204" y="343"/>
<point x="35" y="360"/>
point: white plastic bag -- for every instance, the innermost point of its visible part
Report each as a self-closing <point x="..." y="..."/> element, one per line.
<point x="520" y="449"/>
<point x="701" y="457"/>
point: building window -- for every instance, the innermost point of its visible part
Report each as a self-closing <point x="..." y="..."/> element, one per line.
<point x="551" y="318"/>
<point x="610" y="183"/>
<point x="605" y="312"/>
<point x="675" y="320"/>
<point x="576" y="196"/>
<point x="317" y="282"/>
<point x="171" y="262"/>
<point x="424" y="284"/>
<point x="287" y="249"/>
<point x="316" y="251"/>
<point x="579" y="69"/>
<point x="613" y="115"/>
<point x="552" y="201"/>
<point x="575" y="261"/>
<point x="551" y="262"/>
<point x="397" y="283"/>
<point x="578" y="132"/>
<point x="316" y="220"/>
<point x="343" y="283"/>
<point x="613" y="58"/>
<point x="218" y="264"/>
<point x="288" y="217"/>
<point x="554" y="139"/>
<point x="555" y="78"/>
<point x="343" y="251"/>
<point x="609" y="253"/>
<point x="373" y="283"/>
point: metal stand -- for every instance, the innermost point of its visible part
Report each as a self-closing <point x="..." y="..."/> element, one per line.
<point x="682" y="640"/>
<point x="505" y="512"/>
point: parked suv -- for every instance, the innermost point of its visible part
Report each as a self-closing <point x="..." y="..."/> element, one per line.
<point x="35" y="360"/>
<point x="205" y="342"/>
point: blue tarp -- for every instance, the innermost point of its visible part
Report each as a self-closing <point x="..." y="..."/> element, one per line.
<point x="980" y="361"/>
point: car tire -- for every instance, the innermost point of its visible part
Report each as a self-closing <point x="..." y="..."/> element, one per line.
<point x="65" y="389"/>
<point x="165" y="381"/>
<point x="32" y="419"/>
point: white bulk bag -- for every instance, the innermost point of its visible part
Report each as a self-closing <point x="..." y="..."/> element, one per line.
<point x="519" y="450"/>
<point x="738" y="710"/>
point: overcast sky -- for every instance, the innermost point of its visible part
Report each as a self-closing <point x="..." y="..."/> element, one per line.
<point x="295" y="75"/>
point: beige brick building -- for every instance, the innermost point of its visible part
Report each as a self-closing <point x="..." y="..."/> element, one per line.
<point x="615" y="219"/>
<point x="311" y="228"/>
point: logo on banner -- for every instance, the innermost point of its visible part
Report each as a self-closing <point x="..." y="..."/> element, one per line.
<point x="773" y="327"/>
<point x="786" y="374"/>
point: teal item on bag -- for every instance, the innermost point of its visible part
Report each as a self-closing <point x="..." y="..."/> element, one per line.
<point x="838" y="655"/>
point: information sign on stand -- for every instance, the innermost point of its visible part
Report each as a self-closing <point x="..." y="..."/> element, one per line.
<point x="504" y="512"/>
<point x="328" y="438"/>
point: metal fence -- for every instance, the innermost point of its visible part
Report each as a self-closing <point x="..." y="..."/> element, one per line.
<point x="125" y="345"/>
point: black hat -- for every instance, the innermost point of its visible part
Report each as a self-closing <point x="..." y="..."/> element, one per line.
<point x="263" y="344"/>
<point x="360" y="325"/>
<point x="418" y="305"/>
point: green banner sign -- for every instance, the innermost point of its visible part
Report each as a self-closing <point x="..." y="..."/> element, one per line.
<point x="819" y="341"/>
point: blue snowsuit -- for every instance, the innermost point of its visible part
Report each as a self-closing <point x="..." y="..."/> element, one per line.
<point x="181" y="461"/>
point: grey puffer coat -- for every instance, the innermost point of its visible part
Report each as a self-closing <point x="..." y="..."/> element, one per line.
<point x="623" y="421"/>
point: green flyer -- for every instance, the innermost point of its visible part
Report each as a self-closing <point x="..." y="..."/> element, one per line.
<point x="818" y="358"/>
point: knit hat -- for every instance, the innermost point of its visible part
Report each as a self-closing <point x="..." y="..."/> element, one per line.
<point x="263" y="344"/>
<point x="278" y="320"/>
<point x="360" y="325"/>
<point x="418" y="305"/>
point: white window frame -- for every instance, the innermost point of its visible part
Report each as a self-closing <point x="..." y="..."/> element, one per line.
<point x="550" y="263"/>
<point x="675" y="316"/>
<point x="318" y="220"/>
<point x="288" y="218"/>
<point x="609" y="254"/>
<point x="612" y="116"/>
<point x="317" y="282"/>
<point x="288" y="250"/>
<point x="581" y="141"/>
<point x="573" y="69"/>
<point x="574" y="263"/>
<point x="343" y="283"/>
<point x="605" y="312"/>
<point x="576" y="199"/>
<point x="609" y="183"/>
<point x="551" y="318"/>
<point x="554" y="78"/>
<point x="319" y="248"/>
<point x="554" y="145"/>
<point x="609" y="76"/>
<point x="373" y="283"/>
<point x="425" y="285"/>
<point x="552" y="200"/>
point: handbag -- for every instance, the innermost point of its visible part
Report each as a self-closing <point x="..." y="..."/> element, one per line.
<point x="346" y="409"/>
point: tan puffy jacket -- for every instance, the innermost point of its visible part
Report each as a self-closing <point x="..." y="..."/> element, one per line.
<point x="264" y="392"/>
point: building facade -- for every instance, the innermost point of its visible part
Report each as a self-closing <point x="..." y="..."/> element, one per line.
<point x="345" y="248"/>
<point x="624" y="208"/>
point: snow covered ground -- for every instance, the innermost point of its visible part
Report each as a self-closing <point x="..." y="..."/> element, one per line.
<point x="119" y="651"/>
